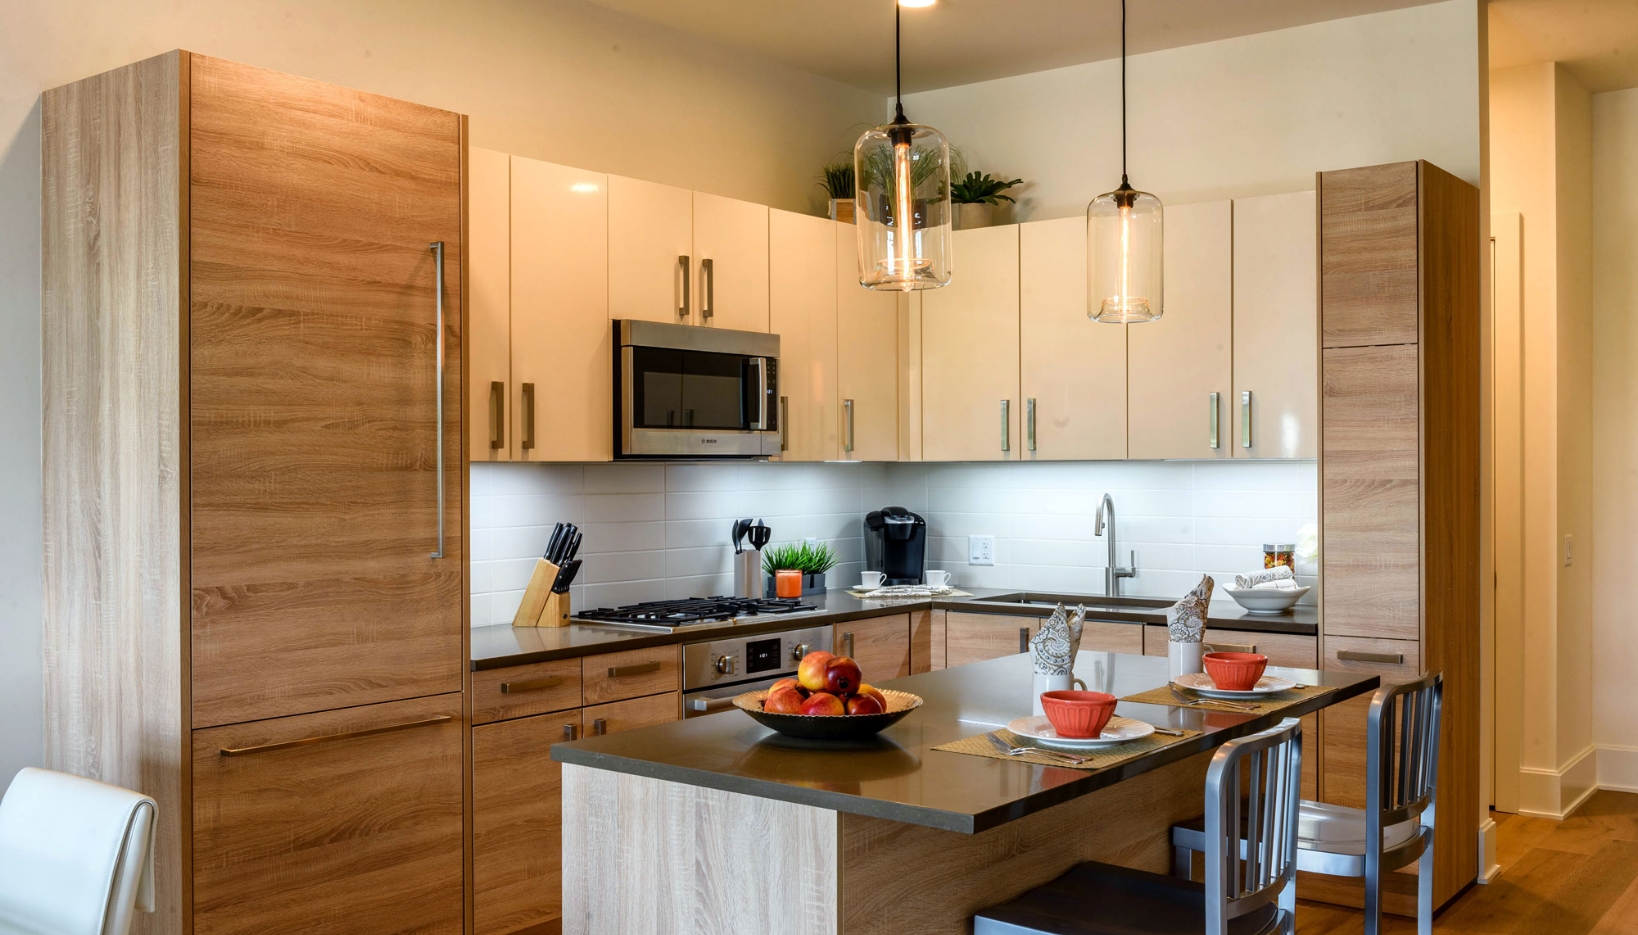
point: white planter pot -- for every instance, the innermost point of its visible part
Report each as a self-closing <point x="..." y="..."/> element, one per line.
<point x="971" y="217"/>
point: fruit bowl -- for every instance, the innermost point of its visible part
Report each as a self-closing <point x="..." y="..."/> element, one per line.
<point x="829" y="727"/>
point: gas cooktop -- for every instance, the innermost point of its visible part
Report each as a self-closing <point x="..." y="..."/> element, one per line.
<point x="669" y="614"/>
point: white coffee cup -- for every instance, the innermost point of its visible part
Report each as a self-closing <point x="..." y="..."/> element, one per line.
<point x="871" y="580"/>
<point x="1054" y="683"/>
<point x="938" y="578"/>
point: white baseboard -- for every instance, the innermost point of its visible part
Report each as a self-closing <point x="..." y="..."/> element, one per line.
<point x="1488" y="866"/>
<point x="1555" y="793"/>
<point x="1618" y="768"/>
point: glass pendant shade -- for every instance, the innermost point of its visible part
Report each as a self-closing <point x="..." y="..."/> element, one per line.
<point x="1123" y="237"/>
<point x="902" y="207"/>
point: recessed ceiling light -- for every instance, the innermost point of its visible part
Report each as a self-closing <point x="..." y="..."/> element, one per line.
<point x="916" y="3"/>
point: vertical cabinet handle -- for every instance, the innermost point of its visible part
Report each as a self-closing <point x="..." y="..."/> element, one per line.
<point x="528" y="440"/>
<point x="682" y="264"/>
<point x="600" y="726"/>
<point x="1245" y="419"/>
<point x="708" y="288"/>
<point x="437" y="248"/>
<point x="847" y="411"/>
<point x="1006" y="425"/>
<point x="784" y="423"/>
<point x="847" y="640"/>
<point x="1211" y="419"/>
<point x="497" y="414"/>
<point x="1029" y="423"/>
<point x="1023" y="639"/>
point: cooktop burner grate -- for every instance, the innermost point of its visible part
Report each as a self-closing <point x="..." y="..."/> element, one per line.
<point x="693" y="610"/>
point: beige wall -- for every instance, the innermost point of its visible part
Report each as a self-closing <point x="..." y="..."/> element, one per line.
<point x="1615" y="437"/>
<point x="1245" y="116"/>
<point x="554" y="79"/>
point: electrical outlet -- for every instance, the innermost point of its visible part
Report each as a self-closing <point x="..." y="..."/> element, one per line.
<point x="1569" y="551"/>
<point x="981" y="550"/>
<point x="811" y="540"/>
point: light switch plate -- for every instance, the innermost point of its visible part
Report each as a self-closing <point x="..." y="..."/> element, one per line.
<point x="981" y="550"/>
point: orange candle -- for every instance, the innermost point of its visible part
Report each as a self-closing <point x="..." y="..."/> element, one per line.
<point x="788" y="583"/>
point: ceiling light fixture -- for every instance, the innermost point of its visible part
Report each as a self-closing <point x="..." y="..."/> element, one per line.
<point x="1123" y="240"/>
<point x="917" y="3"/>
<point x="901" y="192"/>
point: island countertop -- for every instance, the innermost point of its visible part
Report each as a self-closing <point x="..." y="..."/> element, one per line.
<point x="499" y="646"/>
<point x="900" y="777"/>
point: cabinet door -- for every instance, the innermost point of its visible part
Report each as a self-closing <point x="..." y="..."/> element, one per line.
<point x="490" y="420"/>
<point x="1180" y="366"/>
<point x="562" y="343"/>
<point x="344" y="822"/>
<point x="632" y="714"/>
<point x="880" y="645"/>
<point x="867" y="362"/>
<point x="651" y="252"/>
<point x="631" y="674"/>
<point x="730" y="263"/>
<point x="1072" y="370"/>
<point x="927" y="641"/>
<point x="1368" y="251"/>
<point x="313" y="397"/>
<point x="969" y="409"/>
<point x="517" y="822"/>
<point x="802" y="311"/>
<point x="1276" y="325"/>
<point x="1107" y="636"/>
<point x="976" y="637"/>
<point x="1344" y="740"/>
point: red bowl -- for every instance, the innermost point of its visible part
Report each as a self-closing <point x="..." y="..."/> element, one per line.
<point x="1235" y="672"/>
<point x="1078" y="713"/>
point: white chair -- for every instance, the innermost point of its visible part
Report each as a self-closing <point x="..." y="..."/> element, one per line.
<point x="76" y="855"/>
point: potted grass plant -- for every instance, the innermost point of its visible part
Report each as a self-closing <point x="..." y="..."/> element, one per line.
<point x="812" y="559"/>
<point x="975" y="197"/>
<point x="837" y="181"/>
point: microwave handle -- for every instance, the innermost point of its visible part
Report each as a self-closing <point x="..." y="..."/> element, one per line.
<point x="760" y="364"/>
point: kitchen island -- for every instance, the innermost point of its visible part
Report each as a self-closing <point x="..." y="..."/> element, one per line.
<point x="717" y="824"/>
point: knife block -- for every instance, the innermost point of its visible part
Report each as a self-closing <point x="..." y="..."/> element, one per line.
<point x="541" y="607"/>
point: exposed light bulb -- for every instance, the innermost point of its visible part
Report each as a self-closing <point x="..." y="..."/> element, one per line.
<point x="1125" y="257"/>
<point x="917" y="3"/>
<point x="904" y="221"/>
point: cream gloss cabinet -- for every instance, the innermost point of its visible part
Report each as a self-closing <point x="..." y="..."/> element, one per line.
<point x="970" y="408"/>
<point x="802" y="311"/>
<point x="1072" y="370"/>
<point x="1276" y="325"/>
<point x="730" y="263"/>
<point x="1179" y="367"/>
<point x="489" y="300"/>
<point x="867" y="358"/>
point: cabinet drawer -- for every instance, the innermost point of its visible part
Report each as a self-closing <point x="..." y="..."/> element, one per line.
<point x="927" y="641"/>
<point x="977" y="637"/>
<point x="1282" y="649"/>
<point x="631" y="714"/>
<point x="633" y="673"/>
<point x="1107" y="636"/>
<point x="880" y="646"/>
<point x="1343" y="725"/>
<point x="516" y="691"/>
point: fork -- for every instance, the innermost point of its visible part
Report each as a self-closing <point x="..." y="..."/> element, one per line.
<point x="1001" y="746"/>
<point x="1196" y="702"/>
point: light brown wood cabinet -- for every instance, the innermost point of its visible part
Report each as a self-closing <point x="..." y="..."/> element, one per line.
<point x="802" y="311"/>
<point x="880" y="645"/>
<point x="1292" y="650"/>
<point x="1394" y="661"/>
<point x="976" y="637"/>
<point x="928" y="639"/>
<point x="867" y="359"/>
<point x="1370" y="263"/>
<point x="970" y="409"/>
<point x="617" y="716"/>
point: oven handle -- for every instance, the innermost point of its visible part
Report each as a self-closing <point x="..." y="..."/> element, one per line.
<point x="761" y="365"/>
<point x="707" y="705"/>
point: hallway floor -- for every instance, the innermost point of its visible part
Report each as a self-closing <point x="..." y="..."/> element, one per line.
<point x="1573" y="877"/>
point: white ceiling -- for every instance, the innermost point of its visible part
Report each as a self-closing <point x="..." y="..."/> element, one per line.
<point x="960" y="41"/>
<point x="1597" y="40"/>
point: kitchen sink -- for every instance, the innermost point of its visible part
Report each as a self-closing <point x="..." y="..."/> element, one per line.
<point x="1071" y="600"/>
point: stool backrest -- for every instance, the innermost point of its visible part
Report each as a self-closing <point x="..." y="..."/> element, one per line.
<point x="1244" y="877"/>
<point x="1402" y="750"/>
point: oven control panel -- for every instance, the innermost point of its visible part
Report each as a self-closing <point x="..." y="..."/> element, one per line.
<point x="750" y="658"/>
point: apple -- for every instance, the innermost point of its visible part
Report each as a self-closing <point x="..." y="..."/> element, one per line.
<point x="872" y="691"/>
<point x="842" y="677"/>
<point x="825" y="704"/>
<point x="785" y="683"/>
<point x="864" y="704"/>
<point x="785" y="700"/>
<point x="811" y="671"/>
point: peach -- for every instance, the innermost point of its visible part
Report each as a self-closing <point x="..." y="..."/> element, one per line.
<point x="866" y="689"/>
<point x="811" y="671"/>
<point x="864" y="704"/>
<point x="785" y="683"/>
<point x="825" y="704"/>
<point x="783" y="701"/>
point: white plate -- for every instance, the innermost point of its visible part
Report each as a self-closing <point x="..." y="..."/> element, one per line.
<point x="1039" y="730"/>
<point x="1202" y="683"/>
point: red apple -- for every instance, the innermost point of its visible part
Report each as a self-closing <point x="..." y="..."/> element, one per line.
<point x="785" y="683"/>
<point x="842" y="677"/>
<point x="783" y="701"/>
<point x="811" y="671"/>
<point x="864" y="704"/>
<point x="825" y="704"/>
<point x="872" y="691"/>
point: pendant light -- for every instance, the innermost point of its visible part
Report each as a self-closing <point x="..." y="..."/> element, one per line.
<point x="1123" y="239"/>
<point x="901" y="174"/>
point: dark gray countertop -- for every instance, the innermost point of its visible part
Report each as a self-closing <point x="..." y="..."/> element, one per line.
<point x="495" y="647"/>
<point x="900" y="777"/>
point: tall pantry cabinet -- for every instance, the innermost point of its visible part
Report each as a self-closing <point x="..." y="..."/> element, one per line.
<point x="253" y="506"/>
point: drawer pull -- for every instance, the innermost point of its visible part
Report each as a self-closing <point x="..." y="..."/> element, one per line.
<point x="639" y="669"/>
<point x="1023" y="639"/>
<point x="600" y="727"/>
<point x="344" y="735"/>
<point x="847" y="640"/>
<point x="532" y="685"/>
<point x="1355" y="655"/>
<point x="570" y="731"/>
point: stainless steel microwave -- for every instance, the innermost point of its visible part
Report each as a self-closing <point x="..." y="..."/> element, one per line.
<point x="687" y="391"/>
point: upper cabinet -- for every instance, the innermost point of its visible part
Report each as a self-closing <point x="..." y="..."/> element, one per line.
<point x="1180" y="367"/>
<point x="1072" y="370"/>
<point x="489" y="304"/>
<point x="867" y="358"/>
<point x="686" y="257"/>
<point x="1275" y="322"/>
<point x="1369" y="273"/>
<point x="802" y="311"/>
<point x="969" y="342"/>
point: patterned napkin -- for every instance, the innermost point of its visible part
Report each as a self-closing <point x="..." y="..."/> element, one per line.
<point x="1186" y="620"/>
<point x="1059" y="639"/>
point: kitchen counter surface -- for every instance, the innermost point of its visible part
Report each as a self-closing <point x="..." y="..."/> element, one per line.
<point x="898" y="775"/>
<point x="495" y="647"/>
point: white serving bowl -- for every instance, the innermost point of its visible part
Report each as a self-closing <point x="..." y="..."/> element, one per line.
<point x="1267" y="600"/>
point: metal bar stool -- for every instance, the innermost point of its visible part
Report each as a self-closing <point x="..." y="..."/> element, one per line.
<point x="1396" y="826"/>
<point x="1250" y="874"/>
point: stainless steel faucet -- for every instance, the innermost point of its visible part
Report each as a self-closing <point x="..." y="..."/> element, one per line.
<point x="1112" y="573"/>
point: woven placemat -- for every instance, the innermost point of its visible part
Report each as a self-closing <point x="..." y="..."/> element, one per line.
<point x="979" y="745"/>
<point x="1267" y="704"/>
<point x="878" y="596"/>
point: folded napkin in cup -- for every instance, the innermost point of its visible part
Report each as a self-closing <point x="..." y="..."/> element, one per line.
<point x="1186" y="620"/>
<point x="1280" y="576"/>
<point x="1059" y="639"/>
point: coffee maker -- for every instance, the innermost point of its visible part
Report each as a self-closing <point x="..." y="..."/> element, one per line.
<point x="896" y="545"/>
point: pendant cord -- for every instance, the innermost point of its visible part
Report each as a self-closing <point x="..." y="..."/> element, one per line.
<point x="898" y="59"/>
<point x="1123" y="92"/>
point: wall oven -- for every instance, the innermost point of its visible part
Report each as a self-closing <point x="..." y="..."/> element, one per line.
<point x="685" y="391"/>
<point x="714" y="672"/>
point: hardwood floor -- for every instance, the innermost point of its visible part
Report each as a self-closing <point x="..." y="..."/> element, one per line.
<point x="1573" y="877"/>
